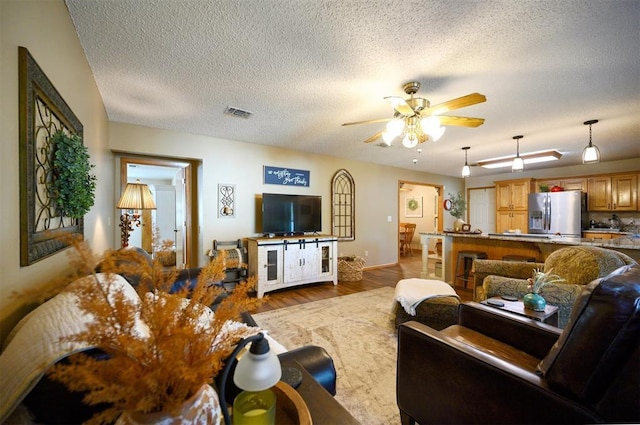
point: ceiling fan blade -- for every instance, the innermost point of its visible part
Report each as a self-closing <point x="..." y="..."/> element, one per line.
<point x="368" y="121"/>
<point x="400" y="105"/>
<point x="374" y="137"/>
<point x="460" y="121"/>
<point x="461" y="102"/>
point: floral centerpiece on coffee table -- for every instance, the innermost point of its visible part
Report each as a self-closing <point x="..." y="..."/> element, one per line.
<point x="162" y="347"/>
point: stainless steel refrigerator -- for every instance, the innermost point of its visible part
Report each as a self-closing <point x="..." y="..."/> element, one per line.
<point x="558" y="213"/>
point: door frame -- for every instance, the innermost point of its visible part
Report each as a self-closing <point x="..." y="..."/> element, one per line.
<point x="191" y="195"/>
<point x="439" y="190"/>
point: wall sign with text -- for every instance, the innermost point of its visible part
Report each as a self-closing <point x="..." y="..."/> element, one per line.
<point x="286" y="176"/>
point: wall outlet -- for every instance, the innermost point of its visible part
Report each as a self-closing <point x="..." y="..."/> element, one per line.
<point x="366" y="253"/>
<point x="389" y="219"/>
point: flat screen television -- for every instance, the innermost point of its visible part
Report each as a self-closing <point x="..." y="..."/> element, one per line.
<point x="291" y="214"/>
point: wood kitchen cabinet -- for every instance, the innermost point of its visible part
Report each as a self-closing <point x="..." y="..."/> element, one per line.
<point x="602" y="235"/>
<point x="566" y="184"/>
<point x="512" y="202"/>
<point x="613" y="193"/>
<point x="513" y="194"/>
<point x="512" y="220"/>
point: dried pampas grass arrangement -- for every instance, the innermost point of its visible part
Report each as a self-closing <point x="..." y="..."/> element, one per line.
<point x="161" y="347"/>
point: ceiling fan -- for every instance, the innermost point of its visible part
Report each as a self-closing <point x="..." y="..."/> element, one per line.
<point x="418" y="120"/>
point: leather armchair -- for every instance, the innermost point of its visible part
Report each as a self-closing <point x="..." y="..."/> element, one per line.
<point x="497" y="367"/>
<point x="578" y="265"/>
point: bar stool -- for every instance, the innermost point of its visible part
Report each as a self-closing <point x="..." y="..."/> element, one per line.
<point x="519" y="258"/>
<point x="467" y="260"/>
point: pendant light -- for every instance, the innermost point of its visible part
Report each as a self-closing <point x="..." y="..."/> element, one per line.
<point x="591" y="153"/>
<point x="518" y="164"/>
<point x="466" y="170"/>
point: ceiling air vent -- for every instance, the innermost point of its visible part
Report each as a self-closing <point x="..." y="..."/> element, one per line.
<point x="230" y="110"/>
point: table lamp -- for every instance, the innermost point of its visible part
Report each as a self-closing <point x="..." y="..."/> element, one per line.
<point x="136" y="196"/>
<point x="256" y="372"/>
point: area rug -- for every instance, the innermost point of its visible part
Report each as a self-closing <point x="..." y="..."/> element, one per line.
<point x="357" y="330"/>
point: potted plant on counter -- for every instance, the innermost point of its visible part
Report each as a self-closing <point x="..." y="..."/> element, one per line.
<point x="458" y="207"/>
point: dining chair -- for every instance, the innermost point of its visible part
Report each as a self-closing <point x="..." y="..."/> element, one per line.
<point x="406" y="237"/>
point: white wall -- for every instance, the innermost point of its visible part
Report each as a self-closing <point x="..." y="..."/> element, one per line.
<point x="231" y="162"/>
<point x="45" y="29"/>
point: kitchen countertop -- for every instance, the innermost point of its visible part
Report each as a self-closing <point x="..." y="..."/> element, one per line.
<point x="605" y="230"/>
<point x="629" y="241"/>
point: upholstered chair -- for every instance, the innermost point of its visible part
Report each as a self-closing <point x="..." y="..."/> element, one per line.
<point x="578" y="265"/>
<point x="495" y="367"/>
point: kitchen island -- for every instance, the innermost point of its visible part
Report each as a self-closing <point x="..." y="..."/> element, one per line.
<point x="498" y="245"/>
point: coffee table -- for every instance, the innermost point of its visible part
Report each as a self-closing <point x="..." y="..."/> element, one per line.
<point x="548" y="316"/>
<point x="323" y="407"/>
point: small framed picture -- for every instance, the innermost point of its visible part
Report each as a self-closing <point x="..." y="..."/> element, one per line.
<point x="466" y="227"/>
<point x="413" y="207"/>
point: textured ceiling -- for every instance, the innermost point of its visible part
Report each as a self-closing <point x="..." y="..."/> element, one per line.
<point x="305" y="67"/>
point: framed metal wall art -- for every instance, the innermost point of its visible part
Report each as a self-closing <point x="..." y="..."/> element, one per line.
<point x="226" y="200"/>
<point x="43" y="112"/>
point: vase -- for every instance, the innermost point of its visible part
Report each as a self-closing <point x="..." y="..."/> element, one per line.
<point x="457" y="224"/>
<point x="534" y="302"/>
<point x="203" y="408"/>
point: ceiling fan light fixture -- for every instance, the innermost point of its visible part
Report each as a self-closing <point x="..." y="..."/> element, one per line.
<point x="591" y="153"/>
<point x="430" y="124"/>
<point x="410" y="140"/>
<point x="395" y="127"/>
<point x="409" y="123"/>
<point x="518" y="163"/>
<point x="436" y="135"/>
<point x="388" y="137"/>
<point x="466" y="170"/>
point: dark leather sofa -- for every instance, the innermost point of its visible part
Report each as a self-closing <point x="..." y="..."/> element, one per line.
<point x="497" y="367"/>
<point x="51" y="403"/>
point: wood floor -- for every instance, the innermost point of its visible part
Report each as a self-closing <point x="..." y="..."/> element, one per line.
<point x="408" y="267"/>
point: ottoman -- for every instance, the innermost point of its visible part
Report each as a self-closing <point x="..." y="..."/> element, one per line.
<point x="431" y="302"/>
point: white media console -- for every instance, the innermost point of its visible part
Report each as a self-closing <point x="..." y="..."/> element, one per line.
<point x="282" y="262"/>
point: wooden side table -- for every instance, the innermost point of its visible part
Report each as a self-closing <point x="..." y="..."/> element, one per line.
<point x="548" y="316"/>
<point x="324" y="409"/>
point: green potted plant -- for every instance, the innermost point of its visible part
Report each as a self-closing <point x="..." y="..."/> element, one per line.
<point x="458" y="207"/>
<point x="73" y="185"/>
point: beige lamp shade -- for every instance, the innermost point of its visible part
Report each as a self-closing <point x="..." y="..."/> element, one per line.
<point x="136" y="196"/>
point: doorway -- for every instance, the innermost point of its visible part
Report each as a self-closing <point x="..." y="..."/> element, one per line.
<point x="172" y="182"/>
<point x="482" y="209"/>
<point x="419" y="203"/>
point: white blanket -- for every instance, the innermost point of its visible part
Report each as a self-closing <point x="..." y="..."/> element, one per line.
<point x="35" y="344"/>
<point x="411" y="292"/>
